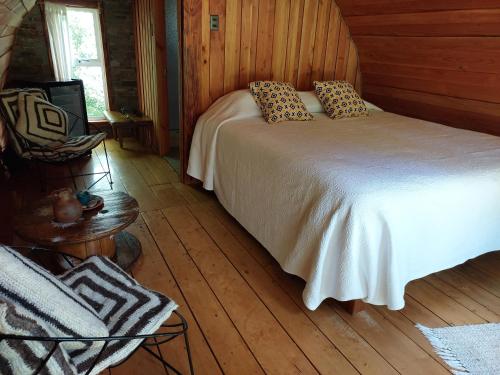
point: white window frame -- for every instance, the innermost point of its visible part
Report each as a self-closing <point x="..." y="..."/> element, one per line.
<point x="100" y="61"/>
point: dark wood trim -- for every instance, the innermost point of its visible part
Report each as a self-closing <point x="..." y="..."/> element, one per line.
<point x="184" y="177"/>
<point x="136" y="54"/>
<point x="41" y="4"/>
<point x="150" y="47"/>
<point x="161" y="75"/>
<point x="105" y="49"/>
<point x="99" y="123"/>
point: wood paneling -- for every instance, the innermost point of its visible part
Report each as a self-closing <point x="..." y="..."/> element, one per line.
<point x="371" y="7"/>
<point x="436" y="60"/>
<point x="297" y="41"/>
<point x="151" y="67"/>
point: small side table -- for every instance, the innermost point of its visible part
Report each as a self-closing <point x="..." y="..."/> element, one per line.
<point x="98" y="232"/>
<point x="142" y="126"/>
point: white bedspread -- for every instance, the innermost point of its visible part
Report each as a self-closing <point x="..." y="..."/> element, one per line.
<point x="355" y="207"/>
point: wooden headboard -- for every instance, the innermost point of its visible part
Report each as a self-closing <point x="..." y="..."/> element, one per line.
<point x="297" y="41"/>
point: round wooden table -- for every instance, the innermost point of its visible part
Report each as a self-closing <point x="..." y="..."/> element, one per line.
<point x="98" y="232"/>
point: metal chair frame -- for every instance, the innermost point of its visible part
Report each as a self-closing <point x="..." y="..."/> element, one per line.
<point x="158" y="339"/>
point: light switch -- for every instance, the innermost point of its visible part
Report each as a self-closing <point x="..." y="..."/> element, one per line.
<point x="214" y="22"/>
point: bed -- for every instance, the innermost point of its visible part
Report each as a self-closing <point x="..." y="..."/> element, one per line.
<point x="356" y="207"/>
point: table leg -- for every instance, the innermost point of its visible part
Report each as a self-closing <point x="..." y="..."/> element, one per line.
<point x="120" y="137"/>
<point x="123" y="248"/>
<point x="137" y="134"/>
<point x="103" y="246"/>
<point x="128" y="250"/>
<point x="149" y="136"/>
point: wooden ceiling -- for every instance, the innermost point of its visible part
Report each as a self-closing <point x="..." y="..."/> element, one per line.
<point x="434" y="59"/>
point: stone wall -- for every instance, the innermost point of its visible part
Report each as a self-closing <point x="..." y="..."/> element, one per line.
<point x="30" y="56"/>
<point x="119" y="30"/>
<point x="30" y="59"/>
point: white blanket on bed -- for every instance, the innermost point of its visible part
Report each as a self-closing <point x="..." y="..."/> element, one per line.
<point x="356" y="207"/>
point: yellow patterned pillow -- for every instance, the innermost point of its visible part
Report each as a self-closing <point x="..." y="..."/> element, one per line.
<point x="279" y="102"/>
<point x="339" y="99"/>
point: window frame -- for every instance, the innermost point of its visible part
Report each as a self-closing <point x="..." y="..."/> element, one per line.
<point x="86" y="4"/>
<point x="100" y="61"/>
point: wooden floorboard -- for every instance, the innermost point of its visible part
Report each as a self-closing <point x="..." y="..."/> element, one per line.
<point x="313" y="343"/>
<point x="269" y="342"/>
<point x="230" y="349"/>
<point x="245" y="314"/>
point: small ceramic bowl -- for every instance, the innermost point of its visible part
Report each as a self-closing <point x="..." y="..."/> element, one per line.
<point x="84" y="197"/>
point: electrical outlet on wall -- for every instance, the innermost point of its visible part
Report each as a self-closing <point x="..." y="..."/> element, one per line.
<point x="214" y="22"/>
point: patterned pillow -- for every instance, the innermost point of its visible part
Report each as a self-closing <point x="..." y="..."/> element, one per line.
<point x="279" y="101"/>
<point x="24" y="357"/>
<point x="125" y="306"/>
<point x="339" y="99"/>
<point x="36" y="292"/>
<point x="40" y="121"/>
<point x="9" y="100"/>
<point x="10" y="113"/>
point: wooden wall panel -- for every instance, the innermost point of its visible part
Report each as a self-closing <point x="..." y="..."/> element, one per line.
<point x="307" y="45"/>
<point x="217" y="50"/>
<point x="280" y="43"/>
<point x="248" y="45"/>
<point x="150" y="43"/>
<point x="321" y="40"/>
<point x="297" y="41"/>
<point x="265" y="35"/>
<point x="332" y="44"/>
<point x="438" y="60"/>
<point x="296" y="16"/>
<point x="371" y="7"/>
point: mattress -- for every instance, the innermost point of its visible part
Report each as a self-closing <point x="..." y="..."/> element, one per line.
<point x="356" y="207"/>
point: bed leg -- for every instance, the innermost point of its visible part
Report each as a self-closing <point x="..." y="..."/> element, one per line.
<point x="353" y="307"/>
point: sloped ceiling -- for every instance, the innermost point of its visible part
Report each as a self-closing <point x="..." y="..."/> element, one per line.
<point x="433" y="59"/>
<point x="11" y="15"/>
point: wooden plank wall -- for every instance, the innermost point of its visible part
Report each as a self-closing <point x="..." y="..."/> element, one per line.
<point x="298" y="41"/>
<point x="433" y="59"/>
<point x="150" y="44"/>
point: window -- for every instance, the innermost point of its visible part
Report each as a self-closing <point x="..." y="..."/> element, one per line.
<point x="77" y="52"/>
<point x="87" y="58"/>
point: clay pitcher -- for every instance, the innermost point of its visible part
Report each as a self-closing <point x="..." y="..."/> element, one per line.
<point x="67" y="209"/>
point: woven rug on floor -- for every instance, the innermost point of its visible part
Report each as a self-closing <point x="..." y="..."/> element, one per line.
<point x="473" y="349"/>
